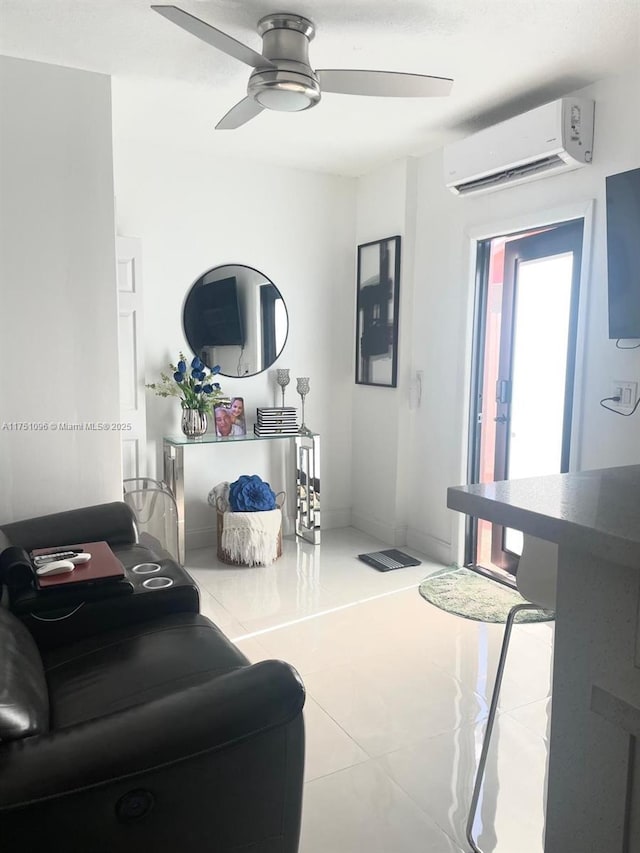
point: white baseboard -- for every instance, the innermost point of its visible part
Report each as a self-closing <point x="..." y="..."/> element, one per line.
<point x="432" y="547"/>
<point x="387" y="533"/>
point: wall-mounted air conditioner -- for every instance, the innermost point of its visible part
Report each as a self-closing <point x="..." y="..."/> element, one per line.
<point x="553" y="138"/>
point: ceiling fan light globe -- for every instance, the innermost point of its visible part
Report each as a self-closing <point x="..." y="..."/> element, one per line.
<point x="285" y="89"/>
<point x="285" y="98"/>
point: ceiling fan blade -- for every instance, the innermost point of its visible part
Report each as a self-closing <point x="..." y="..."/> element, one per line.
<point x="385" y="84"/>
<point x="244" y="111"/>
<point x="216" y="38"/>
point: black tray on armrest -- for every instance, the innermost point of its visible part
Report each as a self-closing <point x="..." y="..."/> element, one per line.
<point x="57" y="599"/>
<point x="56" y="618"/>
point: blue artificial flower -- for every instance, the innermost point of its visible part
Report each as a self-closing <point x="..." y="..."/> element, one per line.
<point x="182" y="366"/>
<point x="215" y="369"/>
<point x="196" y="364"/>
<point x="198" y="374"/>
<point x="216" y="385"/>
<point x="251" y="494"/>
<point x="179" y="377"/>
<point x="197" y="389"/>
<point x="208" y="389"/>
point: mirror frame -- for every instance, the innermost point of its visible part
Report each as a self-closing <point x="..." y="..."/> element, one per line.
<point x="267" y="280"/>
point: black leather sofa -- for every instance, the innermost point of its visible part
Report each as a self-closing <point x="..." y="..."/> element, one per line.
<point x="152" y="733"/>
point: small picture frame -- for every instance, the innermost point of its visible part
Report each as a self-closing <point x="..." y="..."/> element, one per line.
<point x="230" y="419"/>
<point x="377" y="312"/>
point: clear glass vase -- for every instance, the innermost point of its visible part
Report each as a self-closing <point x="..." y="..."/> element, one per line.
<point x="194" y="423"/>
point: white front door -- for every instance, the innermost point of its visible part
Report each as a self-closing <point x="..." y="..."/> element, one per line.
<point x="131" y="357"/>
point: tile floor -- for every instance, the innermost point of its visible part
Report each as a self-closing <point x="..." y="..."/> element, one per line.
<point x="397" y="695"/>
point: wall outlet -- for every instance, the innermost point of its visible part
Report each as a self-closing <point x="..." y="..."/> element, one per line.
<point x="628" y="393"/>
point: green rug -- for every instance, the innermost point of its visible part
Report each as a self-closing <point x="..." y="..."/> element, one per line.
<point x="474" y="596"/>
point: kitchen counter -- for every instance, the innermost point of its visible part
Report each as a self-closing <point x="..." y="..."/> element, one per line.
<point x="598" y="511"/>
<point x="594" y="517"/>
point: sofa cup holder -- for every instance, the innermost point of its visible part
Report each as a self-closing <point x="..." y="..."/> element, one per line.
<point x="146" y="568"/>
<point x="157" y="583"/>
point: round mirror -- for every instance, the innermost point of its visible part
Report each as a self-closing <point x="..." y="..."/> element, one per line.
<point x="235" y="316"/>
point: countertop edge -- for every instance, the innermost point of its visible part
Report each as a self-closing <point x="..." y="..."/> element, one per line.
<point x="565" y="533"/>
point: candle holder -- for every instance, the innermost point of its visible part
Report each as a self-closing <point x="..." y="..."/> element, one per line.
<point x="283" y="379"/>
<point x="303" y="390"/>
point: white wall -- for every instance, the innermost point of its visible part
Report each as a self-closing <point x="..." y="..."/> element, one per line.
<point x="381" y="417"/>
<point x="194" y="211"/>
<point x="404" y="459"/>
<point x="58" y="323"/>
<point x="442" y="316"/>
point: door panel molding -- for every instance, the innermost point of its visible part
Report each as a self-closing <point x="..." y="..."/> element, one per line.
<point x="131" y="356"/>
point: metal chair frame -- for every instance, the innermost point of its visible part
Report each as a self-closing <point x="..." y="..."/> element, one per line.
<point x="493" y="709"/>
<point x="156" y="487"/>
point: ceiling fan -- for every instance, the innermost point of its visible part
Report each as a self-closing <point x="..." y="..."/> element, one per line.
<point x="282" y="78"/>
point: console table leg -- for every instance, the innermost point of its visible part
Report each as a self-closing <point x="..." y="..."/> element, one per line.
<point x="174" y="478"/>
<point x="307" y="450"/>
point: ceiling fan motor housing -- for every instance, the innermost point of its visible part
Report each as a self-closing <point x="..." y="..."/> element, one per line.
<point x="292" y="86"/>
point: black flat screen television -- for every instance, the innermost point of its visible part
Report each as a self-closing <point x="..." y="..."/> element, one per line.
<point x="623" y="253"/>
<point x="212" y="315"/>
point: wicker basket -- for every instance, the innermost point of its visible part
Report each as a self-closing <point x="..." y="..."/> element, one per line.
<point x="222" y="555"/>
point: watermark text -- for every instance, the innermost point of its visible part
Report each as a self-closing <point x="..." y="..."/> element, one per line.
<point x="65" y="426"/>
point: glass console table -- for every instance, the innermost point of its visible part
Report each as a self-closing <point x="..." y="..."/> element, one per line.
<point x="307" y="465"/>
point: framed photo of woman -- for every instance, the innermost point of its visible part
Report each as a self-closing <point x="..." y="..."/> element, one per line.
<point x="230" y="418"/>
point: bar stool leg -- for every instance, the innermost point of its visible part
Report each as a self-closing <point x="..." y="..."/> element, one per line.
<point x="491" y="720"/>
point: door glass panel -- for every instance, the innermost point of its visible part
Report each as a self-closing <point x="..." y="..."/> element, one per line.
<point x="513" y="541"/>
<point x="540" y="341"/>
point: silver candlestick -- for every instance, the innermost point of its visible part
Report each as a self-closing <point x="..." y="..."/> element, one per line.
<point x="303" y="390"/>
<point x="283" y="379"/>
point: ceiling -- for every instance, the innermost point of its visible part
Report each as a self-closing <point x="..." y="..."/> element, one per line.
<point x="505" y="56"/>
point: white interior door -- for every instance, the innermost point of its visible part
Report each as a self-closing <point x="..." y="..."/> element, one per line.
<point x="131" y="357"/>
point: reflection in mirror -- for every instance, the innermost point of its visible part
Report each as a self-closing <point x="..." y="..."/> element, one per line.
<point x="236" y="317"/>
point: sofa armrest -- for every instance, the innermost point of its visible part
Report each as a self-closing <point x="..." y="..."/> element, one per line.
<point x="112" y="522"/>
<point x="205" y="718"/>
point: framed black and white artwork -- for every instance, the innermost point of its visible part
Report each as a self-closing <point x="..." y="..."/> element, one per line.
<point x="377" y="313"/>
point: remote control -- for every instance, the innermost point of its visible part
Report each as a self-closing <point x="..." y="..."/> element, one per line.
<point x="79" y="559"/>
<point x="60" y="567"/>
<point x="41" y="559"/>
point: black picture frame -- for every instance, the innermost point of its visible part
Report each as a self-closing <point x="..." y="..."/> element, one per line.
<point x="378" y="292"/>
